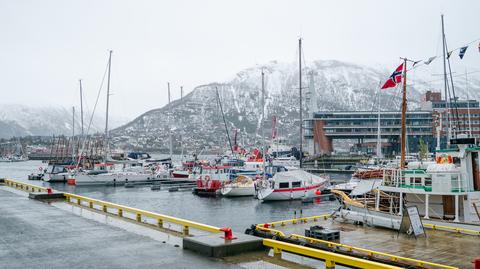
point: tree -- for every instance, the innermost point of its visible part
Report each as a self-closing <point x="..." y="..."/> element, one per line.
<point x="422" y="150"/>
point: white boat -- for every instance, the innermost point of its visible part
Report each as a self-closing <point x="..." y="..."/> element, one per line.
<point x="112" y="173"/>
<point x="291" y="185"/>
<point x="447" y="191"/>
<point x="241" y="186"/>
<point x="57" y="172"/>
<point x="289" y="162"/>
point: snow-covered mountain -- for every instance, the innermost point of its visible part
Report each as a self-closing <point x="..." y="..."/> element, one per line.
<point x="197" y="122"/>
<point x="21" y="120"/>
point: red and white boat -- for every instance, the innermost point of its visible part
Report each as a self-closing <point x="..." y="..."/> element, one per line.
<point x="291" y="185"/>
<point x="210" y="180"/>
<point x="181" y="174"/>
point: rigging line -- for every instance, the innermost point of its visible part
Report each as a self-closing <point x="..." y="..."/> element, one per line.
<point x="439" y="79"/>
<point x="453" y="90"/>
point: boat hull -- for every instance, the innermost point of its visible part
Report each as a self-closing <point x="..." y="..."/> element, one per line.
<point x="112" y="178"/>
<point x="60" y="177"/>
<point x="238" y="191"/>
<point x="290" y="194"/>
<point x="180" y="174"/>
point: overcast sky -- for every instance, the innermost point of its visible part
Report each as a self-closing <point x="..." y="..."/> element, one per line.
<point x="46" y="46"/>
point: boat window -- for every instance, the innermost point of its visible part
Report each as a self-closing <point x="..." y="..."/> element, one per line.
<point x="283" y="185"/>
<point x="296" y="184"/>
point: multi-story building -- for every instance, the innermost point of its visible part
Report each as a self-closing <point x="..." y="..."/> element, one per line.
<point x="363" y="126"/>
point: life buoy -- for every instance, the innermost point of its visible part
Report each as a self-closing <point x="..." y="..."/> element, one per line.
<point x="207" y="181"/>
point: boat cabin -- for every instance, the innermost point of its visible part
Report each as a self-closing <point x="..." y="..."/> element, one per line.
<point x="447" y="189"/>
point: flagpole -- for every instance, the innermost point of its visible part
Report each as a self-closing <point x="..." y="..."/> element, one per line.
<point x="404" y="115"/>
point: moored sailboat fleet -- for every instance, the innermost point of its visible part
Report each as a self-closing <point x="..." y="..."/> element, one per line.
<point x="446" y="189"/>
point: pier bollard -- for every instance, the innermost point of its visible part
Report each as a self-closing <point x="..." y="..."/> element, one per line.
<point x="79" y="202"/>
<point x="120" y="212"/>
<point x="160" y="223"/>
<point x="139" y="217"/>
<point x="185" y="230"/>
<point x="228" y="233"/>
<point x="90" y="204"/>
<point x="476" y="263"/>
<point x="49" y="190"/>
<point x="104" y="208"/>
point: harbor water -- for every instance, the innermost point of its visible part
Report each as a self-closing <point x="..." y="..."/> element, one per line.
<point x="238" y="213"/>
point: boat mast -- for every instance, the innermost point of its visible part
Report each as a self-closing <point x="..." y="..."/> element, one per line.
<point x="73" y="134"/>
<point x="379" y="137"/>
<point x="107" y="146"/>
<point x="404" y="115"/>
<point x="169" y="122"/>
<point x="300" y="91"/>
<point x="81" y="105"/>
<point x="224" y="121"/>
<point x="447" y="114"/>
<point x="468" y="105"/>
<point x="263" y="119"/>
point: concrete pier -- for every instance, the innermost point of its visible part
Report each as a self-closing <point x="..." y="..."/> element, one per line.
<point x="36" y="235"/>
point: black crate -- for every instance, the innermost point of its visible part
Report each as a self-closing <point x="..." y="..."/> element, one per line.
<point x="321" y="233"/>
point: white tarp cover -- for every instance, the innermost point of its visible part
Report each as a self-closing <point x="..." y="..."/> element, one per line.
<point x="298" y="175"/>
<point x="365" y="186"/>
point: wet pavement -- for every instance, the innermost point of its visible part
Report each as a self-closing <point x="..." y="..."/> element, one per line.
<point x="36" y="235"/>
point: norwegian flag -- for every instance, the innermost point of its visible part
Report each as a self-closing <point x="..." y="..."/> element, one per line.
<point x="394" y="79"/>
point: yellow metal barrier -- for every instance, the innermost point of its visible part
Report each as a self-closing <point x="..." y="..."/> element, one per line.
<point x="24" y="186"/>
<point x="299" y="220"/>
<point x="272" y="231"/>
<point x="330" y="258"/>
<point x="371" y="253"/>
<point x="139" y="214"/>
<point x="451" y="229"/>
<point x="367" y="252"/>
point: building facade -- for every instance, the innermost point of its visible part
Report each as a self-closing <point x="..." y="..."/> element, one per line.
<point x="364" y="127"/>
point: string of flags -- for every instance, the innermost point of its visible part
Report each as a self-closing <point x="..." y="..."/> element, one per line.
<point x="461" y="53"/>
<point x="396" y="77"/>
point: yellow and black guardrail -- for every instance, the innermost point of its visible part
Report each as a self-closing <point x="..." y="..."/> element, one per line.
<point x="330" y="258"/>
<point x="140" y="214"/>
<point x="335" y="247"/>
<point x="299" y="220"/>
<point x="24" y="186"/>
<point x="371" y="253"/>
<point x="451" y="229"/>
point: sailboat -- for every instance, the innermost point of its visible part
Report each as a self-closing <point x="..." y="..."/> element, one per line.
<point x="446" y="191"/>
<point x="110" y="171"/>
<point x="292" y="184"/>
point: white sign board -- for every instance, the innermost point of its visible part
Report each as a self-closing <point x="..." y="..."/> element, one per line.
<point x="415" y="221"/>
